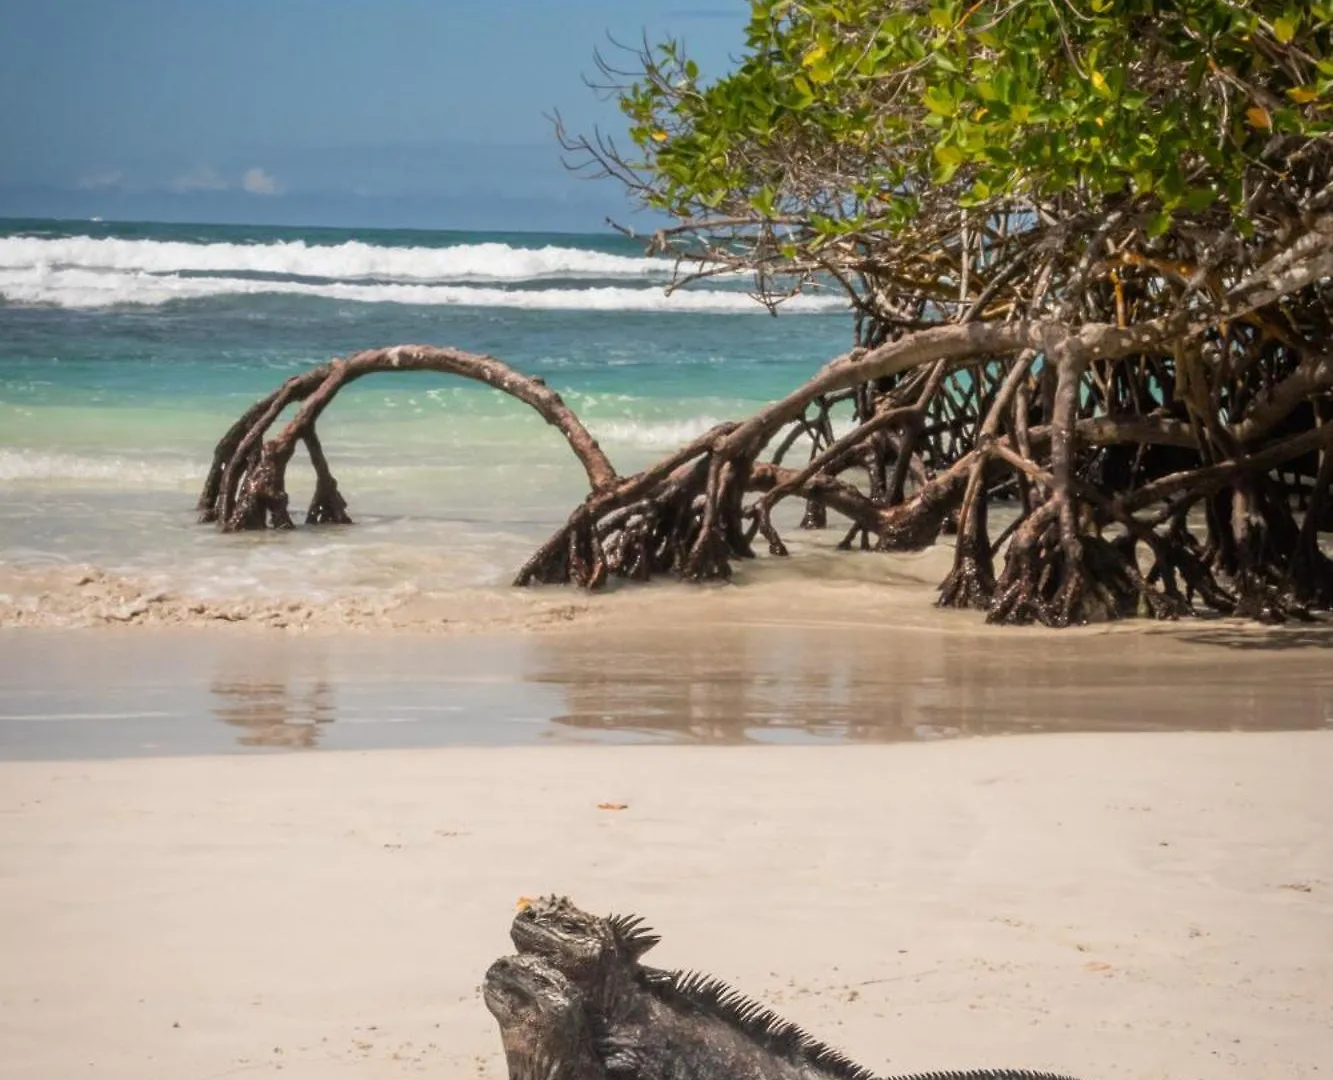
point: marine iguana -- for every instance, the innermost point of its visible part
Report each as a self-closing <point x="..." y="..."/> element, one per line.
<point x="652" y="1024"/>
<point x="668" y="1025"/>
<point x="545" y="1025"/>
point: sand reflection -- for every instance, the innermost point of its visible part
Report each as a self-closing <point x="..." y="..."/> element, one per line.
<point x="738" y="684"/>
<point x="277" y="707"/>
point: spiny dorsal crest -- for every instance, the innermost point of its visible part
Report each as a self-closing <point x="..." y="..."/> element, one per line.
<point x="631" y="935"/>
<point x="769" y="1030"/>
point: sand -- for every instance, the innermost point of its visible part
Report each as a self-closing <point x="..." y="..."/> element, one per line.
<point x="1107" y="904"/>
<point x="1147" y="906"/>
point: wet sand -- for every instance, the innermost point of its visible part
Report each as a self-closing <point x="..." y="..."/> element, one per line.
<point x="1138" y="906"/>
<point x="155" y="691"/>
<point x="828" y="647"/>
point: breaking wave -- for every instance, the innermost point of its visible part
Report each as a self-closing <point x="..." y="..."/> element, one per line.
<point x="85" y="288"/>
<point x="660" y="434"/>
<point x="21" y="464"/>
<point x="669" y="434"/>
<point x="350" y="261"/>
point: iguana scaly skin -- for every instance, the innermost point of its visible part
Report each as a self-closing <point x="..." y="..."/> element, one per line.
<point x="651" y="1024"/>
<point x="545" y="1024"/>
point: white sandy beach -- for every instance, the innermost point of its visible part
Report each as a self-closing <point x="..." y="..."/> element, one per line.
<point x="1146" y="906"/>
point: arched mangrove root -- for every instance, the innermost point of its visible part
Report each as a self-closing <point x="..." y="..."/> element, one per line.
<point x="246" y="486"/>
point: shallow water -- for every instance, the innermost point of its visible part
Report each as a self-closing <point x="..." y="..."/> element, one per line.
<point x="127" y="350"/>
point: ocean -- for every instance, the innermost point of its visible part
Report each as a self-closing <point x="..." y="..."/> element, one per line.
<point x="127" y="349"/>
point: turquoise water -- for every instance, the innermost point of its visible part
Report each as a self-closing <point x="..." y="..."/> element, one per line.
<point x="126" y="350"/>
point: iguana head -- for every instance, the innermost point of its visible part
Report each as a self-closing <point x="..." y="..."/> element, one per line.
<point x="543" y="1022"/>
<point x="520" y="989"/>
<point x="578" y="943"/>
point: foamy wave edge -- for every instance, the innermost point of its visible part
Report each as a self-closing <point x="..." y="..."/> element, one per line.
<point x="668" y="434"/>
<point x="348" y="261"/>
<point x="18" y="464"/>
<point x="651" y="434"/>
<point x="93" y="289"/>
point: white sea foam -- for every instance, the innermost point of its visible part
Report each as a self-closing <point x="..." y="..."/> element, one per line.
<point x="84" y="288"/>
<point x="665" y="434"/>
<point x="21" y="464"/>
<point x="351" y="261"/>
<point x="668" y="434"/>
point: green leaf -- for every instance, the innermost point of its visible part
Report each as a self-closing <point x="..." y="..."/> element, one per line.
<point x="948" y="155"/>
<point x="1171" y="186"/>
<point x="821" y="73"/>
<point x="1197" y="199"/>
<point x="763" y="201"/>
<point x="944" y="63"/>
<point x="814" y="55"/>
<point x="823" y="224"/>
<point x="939" y="101"/>
<point x="1284" y="29"/>
<point x="1159" y="224"/>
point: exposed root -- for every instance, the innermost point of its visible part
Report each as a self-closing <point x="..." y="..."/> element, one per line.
<point x="246" y="485"/>
<point x="815" y="516"/>
<point x="931" y="455"/>
<point x="1049" y="581"/>
<point x="327" y="506"/>
<point x="971" y="582"/>
<point x="1077" y="353"/>
<point x="917" y="523"/>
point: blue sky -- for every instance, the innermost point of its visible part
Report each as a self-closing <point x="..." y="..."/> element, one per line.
<point x="425" y="113"/>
